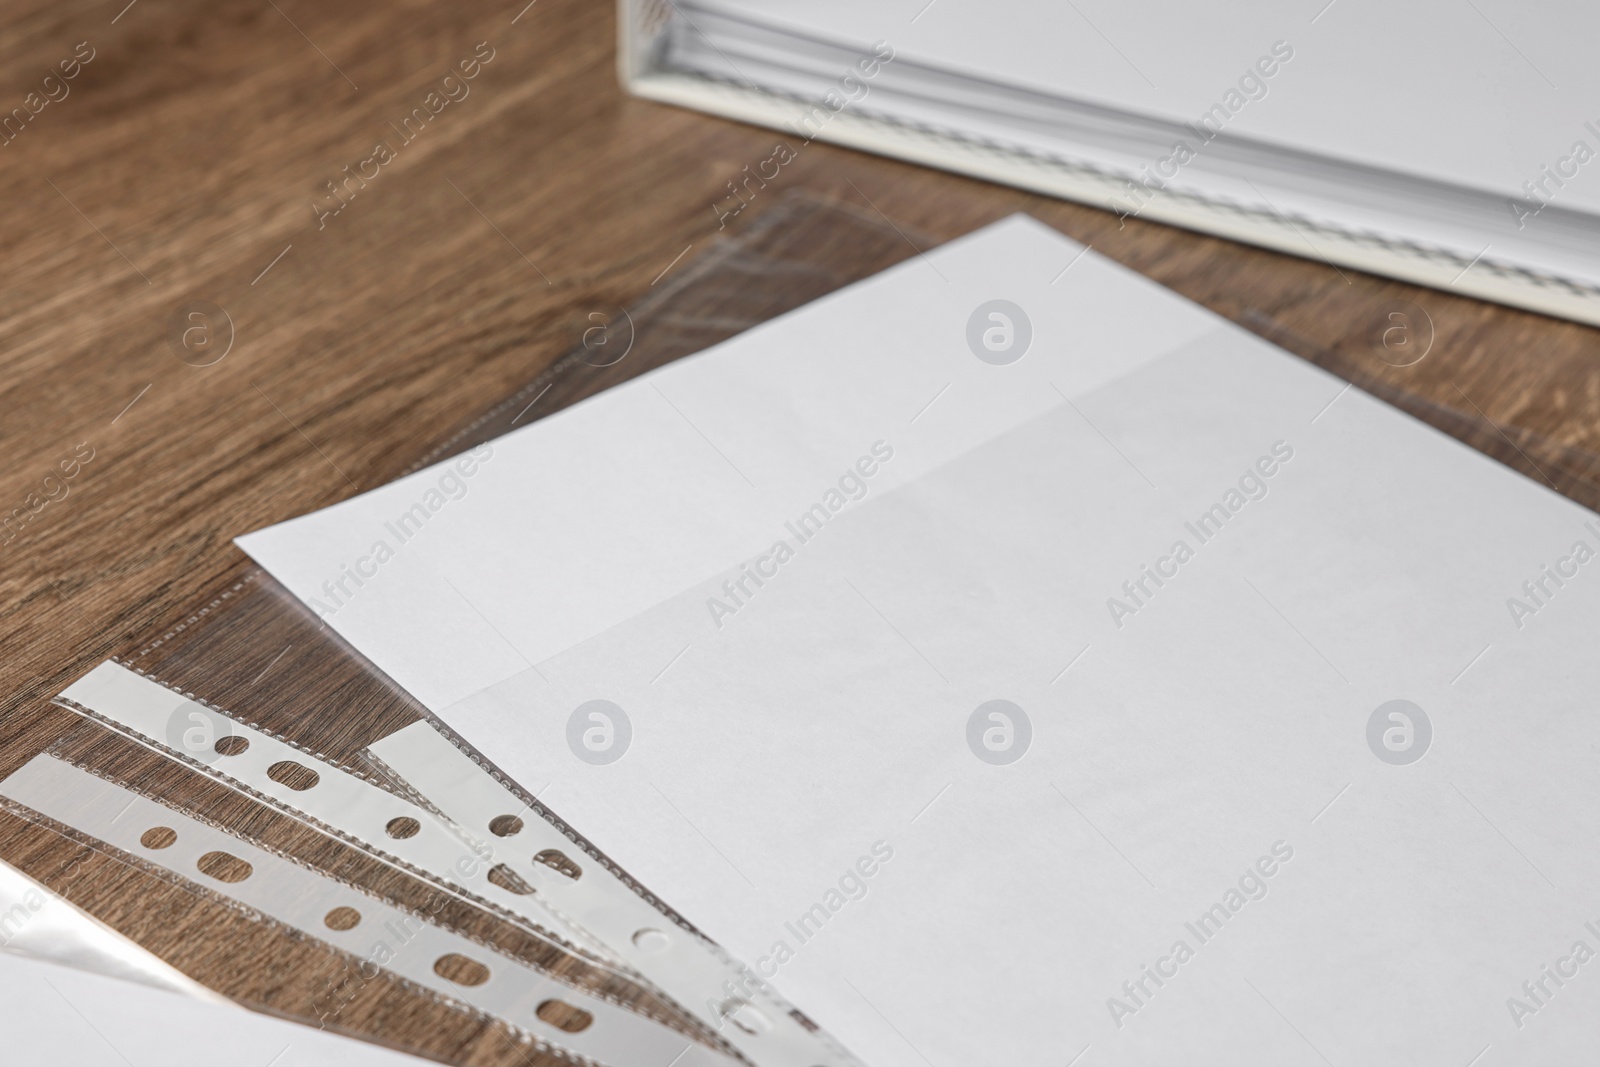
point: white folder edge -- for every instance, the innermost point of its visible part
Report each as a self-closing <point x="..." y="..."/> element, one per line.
<point x="641" y="21"/>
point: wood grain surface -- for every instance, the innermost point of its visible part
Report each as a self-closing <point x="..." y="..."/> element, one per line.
<point x="188" y="163"/>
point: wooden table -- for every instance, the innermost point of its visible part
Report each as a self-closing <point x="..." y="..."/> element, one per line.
<point x="188" y="169"/>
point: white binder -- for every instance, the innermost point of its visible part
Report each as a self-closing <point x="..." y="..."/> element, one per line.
<point x="1450" y="145"/>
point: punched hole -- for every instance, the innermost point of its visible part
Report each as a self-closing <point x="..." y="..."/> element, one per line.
<point x="559" y="862"/>
<point x="158" y="837"/>
<point x="232" y="745"/>
<point x="505" y="826"/>
<point x="224" y="867"/>
<point x="509" y="880"/>
<point x="745" y="1016"/>
<point x="649" y="940"/>
<point x="402" y="827"/>
<point x="294" y="775"/>
<point x="453" y="967"/>
<point x="342" y="918"/>
<point x="564" y="1016"/>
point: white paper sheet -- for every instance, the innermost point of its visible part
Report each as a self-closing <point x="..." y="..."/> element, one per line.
<point x="1214" y="759"/>
<point x="70" y="1018"/>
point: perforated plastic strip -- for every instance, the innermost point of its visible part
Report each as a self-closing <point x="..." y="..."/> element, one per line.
<point x="638" y="937"/>
<point x="308" y="787"/>
<point x="686" y="967"/>
<point x="382" y="935"/>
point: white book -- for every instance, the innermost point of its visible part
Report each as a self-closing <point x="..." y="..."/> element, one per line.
<point x="1011" y="661"/>
<point x="1444" y="143"/>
